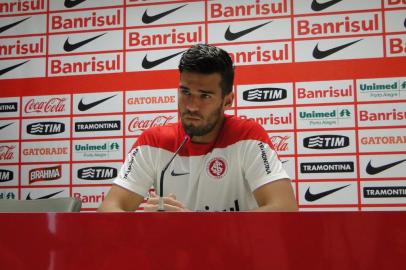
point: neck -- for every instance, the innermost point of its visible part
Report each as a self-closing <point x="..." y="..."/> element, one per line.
<point x="211" y="136"/>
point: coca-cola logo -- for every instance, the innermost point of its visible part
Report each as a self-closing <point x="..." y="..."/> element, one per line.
<point x="139" y="124"/>
<point x="6" y="152"/>
<point x="280" y="143"/>
<point x="52" y="105"/>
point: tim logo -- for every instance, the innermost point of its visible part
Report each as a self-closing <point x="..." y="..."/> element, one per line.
<point x="264" y="94"/>
<point x="45" y="128"/>
<point x="326" y="142"/>
<point x="6" y="175"/>
<point x="45" y="174"/>
<point x="8" y="107"/>
<point x="97" y="173"/>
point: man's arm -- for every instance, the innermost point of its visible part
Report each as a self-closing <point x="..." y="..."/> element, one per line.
<point x="276" y="196"/>
<point x="120" y="199"/>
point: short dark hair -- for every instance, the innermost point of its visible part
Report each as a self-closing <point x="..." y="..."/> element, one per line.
<point x="208" y="59"/>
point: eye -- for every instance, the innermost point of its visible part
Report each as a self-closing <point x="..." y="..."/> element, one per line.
<point x="185" y="92"/>
<point x="205" y="96"/>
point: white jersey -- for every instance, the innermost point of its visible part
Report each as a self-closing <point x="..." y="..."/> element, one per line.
<point x="220" y="176"/>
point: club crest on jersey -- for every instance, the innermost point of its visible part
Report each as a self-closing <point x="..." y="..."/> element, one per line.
<point x="216" y="167"/>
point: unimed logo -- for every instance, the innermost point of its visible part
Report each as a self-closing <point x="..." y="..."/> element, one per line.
<point x="97" y="126"/>
<point x="45" y="174"/>
<point x="385" y="192"/>
<point x="97" y="173"/>
<point x="8" y="107"/>
<point x="326" y="142"/>
<point x="264" y="94"/>
<point x="45" y="128"/>
<point x="327" y="167"/>
<point x="6" y="175"/>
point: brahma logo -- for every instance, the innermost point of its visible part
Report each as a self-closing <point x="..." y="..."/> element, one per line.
<point x="326" y="142"/>
<point x="21" y="6"/>
<point x="97" y="126"/>
<point x="280" y="143"/>
<point x="216" y="167"/>
<point x="6" y="152"/>
<point x="45" y="128"/>
<point x="327" y="167"/>
<point x="8" y="107"/>
<point x="45" y="174"/>
<point x="53" y="105"/>
<point x="137" y="124"/>
<point x="264" y="94"/>
<point x="97" y="173"/>
<point x="6" y="175"/>
<point x="384" y="192"/>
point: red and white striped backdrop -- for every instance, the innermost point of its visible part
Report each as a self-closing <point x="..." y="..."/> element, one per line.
<point x="81" y="79"/>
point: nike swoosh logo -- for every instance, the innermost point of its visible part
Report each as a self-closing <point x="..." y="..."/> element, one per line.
<point x="316" y="6"/>
<point x="84" y="107"/>
<point x="284" y="161"/>
<point x="6" y="27"/>
<point x="71" y="4"/>
<point x="311" y="197"/>
<point x="5" y="126"/>
<point x="404" y="23"/>
<point x="173" y="173"/>
<point x="43" y="197"/>
<point x="318" y="54"/>
<point x="375" y="170"/>
<point x="5" y="70"/>
<point x="230" y="36"/>
<point x="147" y="19"/>
<point x="68" y="47"/>
<point x="146" y="64"/>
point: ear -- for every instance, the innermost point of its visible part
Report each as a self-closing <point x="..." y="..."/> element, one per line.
<point x="228" y="100"/>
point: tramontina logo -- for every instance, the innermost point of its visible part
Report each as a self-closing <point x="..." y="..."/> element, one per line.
<point x="6" y="175"/>
<point x="8" y="107"/>
<point x="264" y="94"/>
<point x="45" y="128"/>
<point x="97" y="126"/>
<point x="97" y="173"/>
<point x="327" y="167"/>
<point x="326" y="142"/>
<point x="384" y="192"/>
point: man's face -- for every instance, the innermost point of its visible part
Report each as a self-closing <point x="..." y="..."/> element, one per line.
<point x="201" y="104"/>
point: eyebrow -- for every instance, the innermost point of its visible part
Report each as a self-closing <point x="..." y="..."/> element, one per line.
<point x="200" y="90"/>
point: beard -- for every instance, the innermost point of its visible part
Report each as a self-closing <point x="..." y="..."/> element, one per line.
<point x="212" y="121"/>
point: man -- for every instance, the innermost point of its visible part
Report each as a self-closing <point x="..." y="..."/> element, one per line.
<point x="228" y="165"/>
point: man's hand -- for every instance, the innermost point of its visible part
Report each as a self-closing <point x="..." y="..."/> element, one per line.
<point x="170" y="204"/>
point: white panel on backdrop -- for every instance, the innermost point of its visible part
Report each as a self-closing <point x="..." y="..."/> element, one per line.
<point x="311" y="6"/>
<point x="45" y="128"/>
<point x="44" y="193"/>
<point x="86" y="42"/>
<point x="45" y="174"/>
<point x="371" y="115"/>
<point x="22" y="47"/>
<point x="9" y="152"/>
<point x="333" y="167"/>
<point x="328" y="193"/>
<point x="264" y="94"/>
<point x="270" y="119"/>
<point x="153" y="60"/>
<point x="45" y="151"/>
<point x="383" y="192"/>
<point x="97" y="149"/>
<point x="165" y="14"/>
<point x="23" y="68"/>
<point x="9" y="107"/>
<point x="325" y="142"/>
<point x="9" y="175"/>
<point x="151" y="100"/>
<point x="381" y="89"/>
<point x="97" y="126"/>
<point x="396" y="45"/>
<point x="325" y="117"/>
<point x="395" y="21"/>
<point x="8" y="7"/>
<point x="283" y="143"/>
<point x="9" y="130"/>
<point x="339" y="49"/>
<point x="324" y="92"/>
<point x="91" y="197"/>
<point x="23" y="25"/>
<point x="95" y="173"/>
<point x="137" y="123"/>
<point x="382" y="140"/>
<point x="46" y="105"/>
<point x="243" y="31"/>
<point x="376" y="166"/>
<point x="100" y="102"/>
<point x="129" y="143"/>
<point x="68" y="5"/>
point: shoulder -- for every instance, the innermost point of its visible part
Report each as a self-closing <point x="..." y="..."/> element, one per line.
<point x="236" y="129"/>
<point x="161" y="137"/>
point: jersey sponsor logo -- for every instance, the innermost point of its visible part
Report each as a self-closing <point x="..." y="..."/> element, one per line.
<point x="217" y="167"/>
<point x="230" y="36"/>
<point x="137" y="124"/>
<point x="311" y="197"/>
<point x="45" y="174"/>
<point x="326" y="142"/>
<point x="327" y="167"/>
<point x="8" y="107"/>
<point x="7" y="152"/>
<point x="381" y="116"/>
<point x="147" y="19"/>
<point x="72" y="3"/>
<point x="70" y="47"/>
<point x="8" y="69"/>
<point x="21" y="6"/>
<point x="6" y="125"/>
<point x="23" y="47"/>
<point x="44" y="196"/>
<point x="48" y="151"/>
<point x="97" y="126"/>
<point x="97" y="173"/>
<point x="264" y="158"/>
<point x="173" y="173"/>
<point x="51" y="105"/>
<point x="45" y="128"/>
<point x="264" y="94"/>
<point x="321" y="54"/>
<point x="383" y="140"/>
<point x="11" y="25"/>
<point x="316" y="6"/>
<point x="372" y="170"/>
<point x="84" y="107"/>
<point x="131" y="159"/>
<point x="384" y="192"/>
<point x="6" y="175"/>
<point x="147" y="64"/>
<point x="280" y="143"/>
<point x="221" y="10"/>
<point x="330" y="92"/>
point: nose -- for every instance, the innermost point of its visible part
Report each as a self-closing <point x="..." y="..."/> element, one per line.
<point x="192" y="103"/>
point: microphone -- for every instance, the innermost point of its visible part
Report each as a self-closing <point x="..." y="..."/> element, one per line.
<point x="161" y="181"/>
